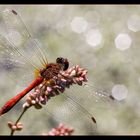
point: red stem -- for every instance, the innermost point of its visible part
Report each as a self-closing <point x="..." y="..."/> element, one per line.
<point x="12" y="102"/>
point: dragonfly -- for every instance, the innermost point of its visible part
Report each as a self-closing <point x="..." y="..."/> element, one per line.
<point x="22" y="52"/>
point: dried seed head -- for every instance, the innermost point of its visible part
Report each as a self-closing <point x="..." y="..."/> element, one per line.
<point x="73" y="73"/>
<point x="15" y="127"/>
<point x="61" y="130"/>
<point x="43" y="92"/>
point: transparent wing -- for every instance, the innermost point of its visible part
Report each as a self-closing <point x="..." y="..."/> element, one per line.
<point x="76" y="107"/>
<point x="20" y="38"/>
<point x="14" y="66"/>
<point x="19" y="52"/>
<point x="67" y="111"/>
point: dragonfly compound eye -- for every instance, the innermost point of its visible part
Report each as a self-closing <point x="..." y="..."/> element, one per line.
<point x="60" y="60"/>
<point x="63" y="62"/>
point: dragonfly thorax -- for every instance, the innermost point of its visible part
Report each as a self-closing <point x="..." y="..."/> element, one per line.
<point x="53" y="69"/>
<point x="50" y="71"/>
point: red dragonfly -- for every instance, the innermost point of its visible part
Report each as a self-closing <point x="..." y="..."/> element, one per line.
<point x="21" y="53"/>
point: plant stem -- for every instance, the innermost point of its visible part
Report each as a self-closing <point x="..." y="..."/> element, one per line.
<point x="12" y="131"/>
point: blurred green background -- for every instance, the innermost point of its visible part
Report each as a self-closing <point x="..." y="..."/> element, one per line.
<point x="104" y="39"/>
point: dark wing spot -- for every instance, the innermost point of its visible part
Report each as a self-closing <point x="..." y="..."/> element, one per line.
<point x="93" y="119"/>
<point x="14" y="12"/>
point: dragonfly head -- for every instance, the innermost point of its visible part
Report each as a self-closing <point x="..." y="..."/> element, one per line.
<point x="63" y="62"/>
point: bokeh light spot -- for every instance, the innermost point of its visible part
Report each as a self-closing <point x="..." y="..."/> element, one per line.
<point x="94" y="37"/>
<point x="119" y="92"/>
<point x="79" y="24"/>
<point x="133" y="23"/>
<point x="123" y="41"/>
